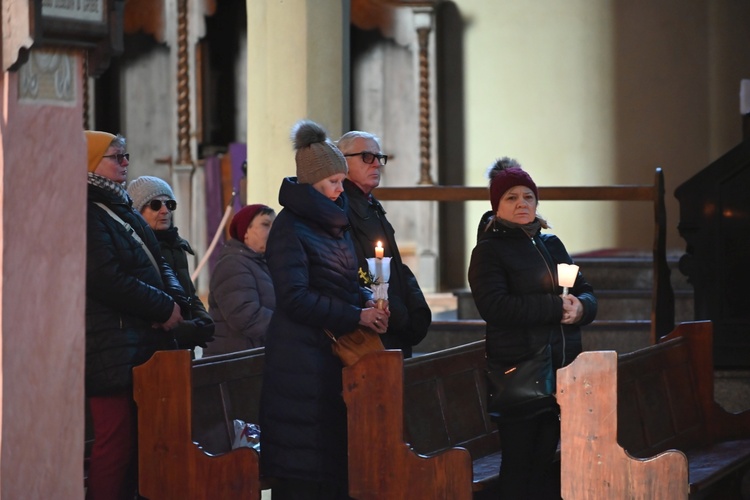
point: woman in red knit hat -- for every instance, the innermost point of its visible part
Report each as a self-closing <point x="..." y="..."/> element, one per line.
<point x="513" y="279"/>
<point x="241" y="298"/>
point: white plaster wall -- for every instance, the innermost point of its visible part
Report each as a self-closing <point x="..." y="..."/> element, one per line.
<point x="147" y="107"/>
<point x="294" y="71"/>
<point x="539" y="89"/>
<point x="585" y="92"/>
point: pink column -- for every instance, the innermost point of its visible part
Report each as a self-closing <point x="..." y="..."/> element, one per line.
<point x="42" y="279"/>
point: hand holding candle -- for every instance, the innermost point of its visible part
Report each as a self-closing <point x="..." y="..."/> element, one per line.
<point x="567" y="274"/>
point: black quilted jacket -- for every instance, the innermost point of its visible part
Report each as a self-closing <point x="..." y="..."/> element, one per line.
<point x="513" y="280"/>
<point x="125" y="295"/>
<point x="410" y="315"/>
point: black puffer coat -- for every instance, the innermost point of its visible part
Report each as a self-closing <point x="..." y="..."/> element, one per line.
<point x="513" y="280"/>
<point x="314" y="269"/>
<point x="125" y="295"/>
<point x="241" y="299"/>
<point x="410" y="315"/>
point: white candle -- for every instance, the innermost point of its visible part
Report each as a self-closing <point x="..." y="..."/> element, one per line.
<point x="567" y="274"/>
<point x="379" y="250"/>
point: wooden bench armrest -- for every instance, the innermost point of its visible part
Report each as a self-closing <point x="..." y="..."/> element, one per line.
<point x="170" y="465"/>
<point x="594" y="465"/>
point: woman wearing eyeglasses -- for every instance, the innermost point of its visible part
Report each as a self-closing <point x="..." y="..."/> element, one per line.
<point x="154" y="199"/>
<point x="133" y="304"/>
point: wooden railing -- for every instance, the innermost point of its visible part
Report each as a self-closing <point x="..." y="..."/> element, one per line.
<point x="662" y="300"/>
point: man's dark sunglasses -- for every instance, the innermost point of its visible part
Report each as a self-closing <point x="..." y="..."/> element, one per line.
<point x="155" y="205"/>
<point x="368" y="157"/>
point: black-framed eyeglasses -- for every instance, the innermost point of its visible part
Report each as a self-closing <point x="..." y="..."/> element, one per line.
<point x="119" y="157"/>
<point x="368" y="157"/>
<point x="155" y="205"/>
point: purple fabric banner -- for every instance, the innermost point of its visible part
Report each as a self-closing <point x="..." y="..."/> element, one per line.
<point x="238" y="154"/>
<point x="214" y="206"/>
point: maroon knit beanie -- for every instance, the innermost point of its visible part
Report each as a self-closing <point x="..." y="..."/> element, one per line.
<point x="503" y="177"/>
<point x="242" y="219"/>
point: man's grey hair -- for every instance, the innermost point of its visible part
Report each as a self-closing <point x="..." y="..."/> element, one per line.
<point x="345" y="141"/>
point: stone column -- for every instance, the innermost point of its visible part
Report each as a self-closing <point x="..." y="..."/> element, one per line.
<point x="42" y="277"/>
<point x="295" y="70"/>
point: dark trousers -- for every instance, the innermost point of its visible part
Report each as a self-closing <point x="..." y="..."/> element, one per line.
<point x="528" y="470"/>
<point x="112" y="469"/>
<point x="298" y="489"/>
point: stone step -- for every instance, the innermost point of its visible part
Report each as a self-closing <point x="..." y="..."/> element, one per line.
<point x="626" y="273"/>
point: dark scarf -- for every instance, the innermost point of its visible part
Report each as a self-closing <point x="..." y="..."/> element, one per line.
<point x="109" y="185"/>
<point x="530" y="229"/>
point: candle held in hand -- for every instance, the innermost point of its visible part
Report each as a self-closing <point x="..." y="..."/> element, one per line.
<point x="567" y="274"/>
<point x="379" y="250"/>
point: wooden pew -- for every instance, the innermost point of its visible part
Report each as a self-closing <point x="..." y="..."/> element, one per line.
<point x="170" y="392"/>
<point x="434" y="439"/>
<point x="645" y="424"/>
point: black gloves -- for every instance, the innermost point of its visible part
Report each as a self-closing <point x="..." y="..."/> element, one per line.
<point x="195" y="332"/>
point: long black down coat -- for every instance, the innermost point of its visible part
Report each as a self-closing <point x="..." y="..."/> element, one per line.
<point x="513" y="280"/>
<point x="314" y="269"/>
<point x="125" y="295"/>
<point x="410" y="315"/>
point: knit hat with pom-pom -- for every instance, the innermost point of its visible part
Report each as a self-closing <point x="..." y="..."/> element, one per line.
<point x="316" y="156"/>
<point x="504" y="174"/>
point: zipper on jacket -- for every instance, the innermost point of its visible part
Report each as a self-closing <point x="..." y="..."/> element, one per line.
<point x="552" y="279"/>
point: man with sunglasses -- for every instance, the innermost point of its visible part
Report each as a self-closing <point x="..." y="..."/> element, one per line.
<point x="410" y="315"/>
<point x="155" y="200"/>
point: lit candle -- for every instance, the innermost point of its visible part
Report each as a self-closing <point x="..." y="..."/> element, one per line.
<point x="567" y="274"/>
<point x="379" y="250"/>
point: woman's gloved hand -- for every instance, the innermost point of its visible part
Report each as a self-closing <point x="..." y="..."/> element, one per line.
<point x="195" y="332"/>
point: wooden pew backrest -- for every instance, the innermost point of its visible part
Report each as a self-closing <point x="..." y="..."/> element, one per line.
<point x="170" y="464"/>
<point x="225" y="388"/>
<point x="445" y="400"/>
<point x="381" y="465"/>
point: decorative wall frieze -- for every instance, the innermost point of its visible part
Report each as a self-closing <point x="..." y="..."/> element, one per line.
<point x="48" y="77"/>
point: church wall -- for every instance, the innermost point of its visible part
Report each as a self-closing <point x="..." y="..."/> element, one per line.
<point x="595" y="93"/>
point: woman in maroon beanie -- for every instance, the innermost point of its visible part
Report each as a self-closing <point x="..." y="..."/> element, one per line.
<point x="513" y="279"/>
<point x="241" y="298"/>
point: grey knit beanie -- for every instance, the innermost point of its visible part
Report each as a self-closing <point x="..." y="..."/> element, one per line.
<point x="146" y="188"/>
<point x="317" y="157"/>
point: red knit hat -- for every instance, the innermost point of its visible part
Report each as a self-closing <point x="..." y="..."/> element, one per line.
<point x="505" y="174"/>
<point x="242" y="220"/>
